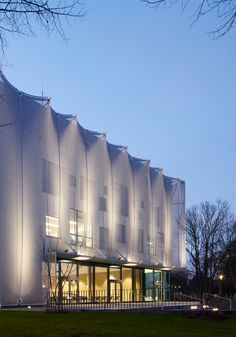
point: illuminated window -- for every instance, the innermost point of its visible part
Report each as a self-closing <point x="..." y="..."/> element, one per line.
<point x="77" y="227"/>
<point x="81" y="223"/>
<point x="73" y="232"/>
<point x="78" y="236"/>
<point x="52" y="226"/>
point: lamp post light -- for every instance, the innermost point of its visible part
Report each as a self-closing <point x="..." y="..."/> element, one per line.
<point x="221" y="277"/>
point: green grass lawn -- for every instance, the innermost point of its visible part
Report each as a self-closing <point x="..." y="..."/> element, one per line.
<point x="24" y="324"/>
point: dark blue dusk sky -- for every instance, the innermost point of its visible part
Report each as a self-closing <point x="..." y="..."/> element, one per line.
<point x="149" y="81"/>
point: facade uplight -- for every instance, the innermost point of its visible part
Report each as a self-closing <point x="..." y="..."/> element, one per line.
<point x="130" y="264"/>
<point x="82" y="258"/>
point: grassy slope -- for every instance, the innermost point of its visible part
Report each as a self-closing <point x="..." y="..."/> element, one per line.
<point x="19" y="324"/>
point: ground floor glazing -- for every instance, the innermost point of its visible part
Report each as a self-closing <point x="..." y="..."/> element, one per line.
<point x="91" y="282"/>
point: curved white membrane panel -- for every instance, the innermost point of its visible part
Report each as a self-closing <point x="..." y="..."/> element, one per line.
<point x="20" y="210"/>
<point x="121" y="196"/>
<point x="159" y="224"/>
<point x="68" y="189"/>
<point x="10" y="193"/>
<point x="141" y="224"/>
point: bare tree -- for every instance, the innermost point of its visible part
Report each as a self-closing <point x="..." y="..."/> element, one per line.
<point x="55" y="273"/>
<point x="229" y="263"/>
<point x="21" y="16"/>
<point x="209" y="229"/>
<point x="225" y="11"/>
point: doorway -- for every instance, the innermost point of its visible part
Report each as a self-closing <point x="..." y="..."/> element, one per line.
<point x="115" y="291"/>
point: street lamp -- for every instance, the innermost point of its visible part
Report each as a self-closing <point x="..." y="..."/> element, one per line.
<point x="221" y="277"/>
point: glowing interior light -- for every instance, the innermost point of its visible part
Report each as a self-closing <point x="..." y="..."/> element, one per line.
<point x="215" y="309"/>
<point x="51" y="225"/>
<point x="193" y="307"/>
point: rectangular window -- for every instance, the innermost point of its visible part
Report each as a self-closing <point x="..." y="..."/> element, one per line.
<point x="77" y="227"/>
<point x="124" y="201"/>
<point x="73" y="231"/>
<point x="156" y="215"/>
<point x="105" y="190"/>
<point x="49" y="176"/>
<point x="161" y="238"/>
<point x="72" y="181"/>
<point x="140" y="240"/>
<point x="52" y="226"/>
<point x="104" y="237"/>
<point x="44" y="176"/>
<point x="102" y="204"/>
<point x="81" y="223"/>
<point x="121" y="233"/>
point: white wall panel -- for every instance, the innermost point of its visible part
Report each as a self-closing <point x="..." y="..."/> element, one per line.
<point x="49" y="166"/>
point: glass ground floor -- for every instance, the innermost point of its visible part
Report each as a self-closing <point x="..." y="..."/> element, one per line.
<point x="111" y="283"/>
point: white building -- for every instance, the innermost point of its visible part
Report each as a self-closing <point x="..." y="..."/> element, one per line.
<point x="114" y="220"/>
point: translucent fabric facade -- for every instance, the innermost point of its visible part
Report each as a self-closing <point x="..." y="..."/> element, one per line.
<point x="66" y="190"/>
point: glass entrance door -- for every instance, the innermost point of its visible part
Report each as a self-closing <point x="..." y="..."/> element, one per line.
<point x="115" y="291"/>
